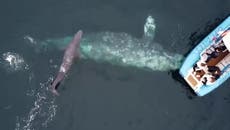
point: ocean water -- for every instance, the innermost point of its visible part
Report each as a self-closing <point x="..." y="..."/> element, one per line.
<point x="124" y="80"/>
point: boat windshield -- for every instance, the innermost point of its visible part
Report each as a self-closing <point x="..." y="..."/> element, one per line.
<point x="226" y="40"/>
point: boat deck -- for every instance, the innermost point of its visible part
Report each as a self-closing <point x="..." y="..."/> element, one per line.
<point x="194" y="79"/>
<point x="191" y="79"/>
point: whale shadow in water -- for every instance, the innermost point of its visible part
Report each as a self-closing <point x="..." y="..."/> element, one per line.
<point x="201" y="32"/>
<point x="183" y="84"/>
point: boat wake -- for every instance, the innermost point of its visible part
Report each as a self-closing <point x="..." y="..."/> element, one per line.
<point x="122" y="49"/>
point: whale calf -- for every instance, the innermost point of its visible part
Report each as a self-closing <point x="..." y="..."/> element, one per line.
<point x="72" y="51"/>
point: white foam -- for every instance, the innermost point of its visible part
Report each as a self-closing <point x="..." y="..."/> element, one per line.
<point x="30" y="39"/>
<point x="41" y="112"/>
<point x="62" y="69"/>
<point x="13" y="62"/>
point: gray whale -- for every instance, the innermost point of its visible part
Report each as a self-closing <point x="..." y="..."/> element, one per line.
<point x="72" y="51"/>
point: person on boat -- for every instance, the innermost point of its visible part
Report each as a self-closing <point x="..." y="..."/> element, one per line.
<point x="199" y="68"/>
<point x="221" y="46"/>
<point x="206" y="57"/>
<point x="208" y="79"/>
<point x="213" y="69"/>
<point x="195" y="67"/>
<point x="202" y="65"/>
<point x="215" y="53"/>
<point x="211" y="76"/>
<point x="198" y="73"/>
<point x="204" y="80"/>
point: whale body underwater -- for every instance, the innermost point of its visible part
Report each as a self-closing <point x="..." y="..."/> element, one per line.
<point x="118" y="48"/>
<point x="72" y="51"/>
